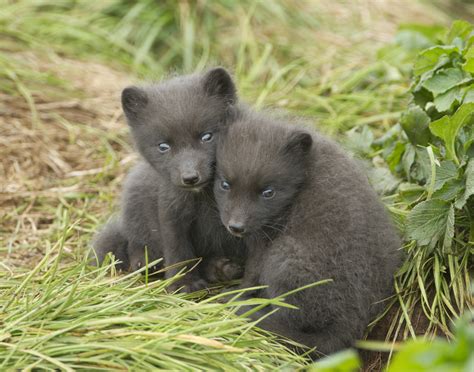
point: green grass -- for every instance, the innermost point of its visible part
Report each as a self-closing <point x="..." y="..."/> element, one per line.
<point x="65" y="150"/>
<point x="68" y="315"/>
<point x="281" y="53"/>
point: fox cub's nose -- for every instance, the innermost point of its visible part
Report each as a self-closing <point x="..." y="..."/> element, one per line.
<point x="190" y="179"/>
<point x="236" y="228"/>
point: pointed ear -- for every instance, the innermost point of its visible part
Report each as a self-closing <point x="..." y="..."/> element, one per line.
<point x="218" y="82"/>
<point x="299" y="142"/>
<point x="134" y="100"/>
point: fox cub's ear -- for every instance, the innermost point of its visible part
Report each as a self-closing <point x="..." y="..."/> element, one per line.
<point x="134" y="99"/>
<point x="218" y="82"/>
<point x="299" y="142"/>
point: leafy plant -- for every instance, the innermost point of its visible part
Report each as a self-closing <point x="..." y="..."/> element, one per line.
<point x="439" y="354"/>
<point x="431" y="153"/>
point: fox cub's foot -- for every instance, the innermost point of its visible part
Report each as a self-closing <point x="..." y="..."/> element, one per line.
<point x="138" y="261"/>
<point x="190" y="283"/>
<point x="222" y="269"/>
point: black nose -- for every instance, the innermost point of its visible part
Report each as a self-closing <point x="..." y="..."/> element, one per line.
<point x="237" y="228"/>
<point x="190" y="179"/>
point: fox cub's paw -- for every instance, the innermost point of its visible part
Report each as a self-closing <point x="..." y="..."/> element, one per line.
<point x="222" y="269"/>
<point x="190" y="283"/>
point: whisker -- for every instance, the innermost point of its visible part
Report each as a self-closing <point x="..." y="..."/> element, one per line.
<point x="273" y="227"/>
<point x="266" y="235"/>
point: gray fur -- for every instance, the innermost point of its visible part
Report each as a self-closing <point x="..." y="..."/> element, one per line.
<point x="160" y="211"/>
<point x="111" y="239"/>
<point x="323" y="222"/>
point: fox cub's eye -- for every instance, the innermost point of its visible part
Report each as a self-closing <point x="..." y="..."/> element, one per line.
<point x="268" y="193"/>
<point x="206" y="137"/>
<point x="163" y="147"/>
<point x="225" y="185"/>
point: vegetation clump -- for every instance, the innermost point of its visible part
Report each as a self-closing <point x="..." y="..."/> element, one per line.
<point x="430" y="153"/>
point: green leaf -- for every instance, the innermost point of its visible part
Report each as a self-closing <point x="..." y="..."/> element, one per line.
<point x="408" y="159"/>
<point x="415" y="122"/>
<point x="343" y="361"/>
<point x="428" y="59"/>
<point x="447" y="128"/>
<point x="438" y="355"/>
<point x="444" y="101"/>
<point x="469" y="142"/>
<point x="469" y="95"/>
<point x="446" y="171"/>
<point x="423" y="356"/>
<point x="444" y="80"/>
<point x="382" y="180"/>
<point x="412" y="40"/>
<point x="421" y="169"/>
<point x="468" y="66"/>
<point x="459" y="29"/>
<point x="430" y="33"/>
<point x="396" y="152"/>
<point x="360" y="141"/>
<point x="422" y="96"/>
<point x="450" y="190"/>
<point x="469" y="190"/>
<point x="465" y="336"/>
<point x="427" y="221"/>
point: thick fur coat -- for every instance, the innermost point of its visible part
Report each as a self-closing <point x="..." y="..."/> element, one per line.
<point x="167" y="203"/>
<point x="306" y="213"/>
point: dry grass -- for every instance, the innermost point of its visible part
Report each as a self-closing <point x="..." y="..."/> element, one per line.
<point x="64" y="141"/>
<point x="60" y="146"/>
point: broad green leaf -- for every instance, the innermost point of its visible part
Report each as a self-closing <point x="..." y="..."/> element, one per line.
<point x="446" y="171"/>
<point x="443" y="80"/>
<point x="459" y="29"/>
<point x="447" y="128"/>
<point x="450" y="190"/>
<point x="408" y="159"/>
<point x="360" y="141"/>
<point x="422" y="97"/>
<point x="468" y="66"/>
<point x="469" y="189"/>
<point x="412" y="41"/>
<point x="421" y="169"/>
<point x="444" y="101"/>
<point x="442" y="61"/>
<point x="343" y="361"/>
<point x="415" y="122"/>
<point x="469" y="95"/>
<point x="389" y="136"/>
<point x="396" y="152"/>
<point x="465" y="336"/>
<point x="382" y="180"/>
<point x="469" y="142"/>
<point x="428" y="59"/>
<point x="427" y="221"/>
<point x="432" y="33"/>
<point x="424" y="356"/>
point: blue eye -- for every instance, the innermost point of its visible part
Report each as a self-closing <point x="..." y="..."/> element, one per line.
<point x="225" y="185"/>
<point x="206" y="137"/>
<point x="268" y="193"/>
<point x="163" y="147"/>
